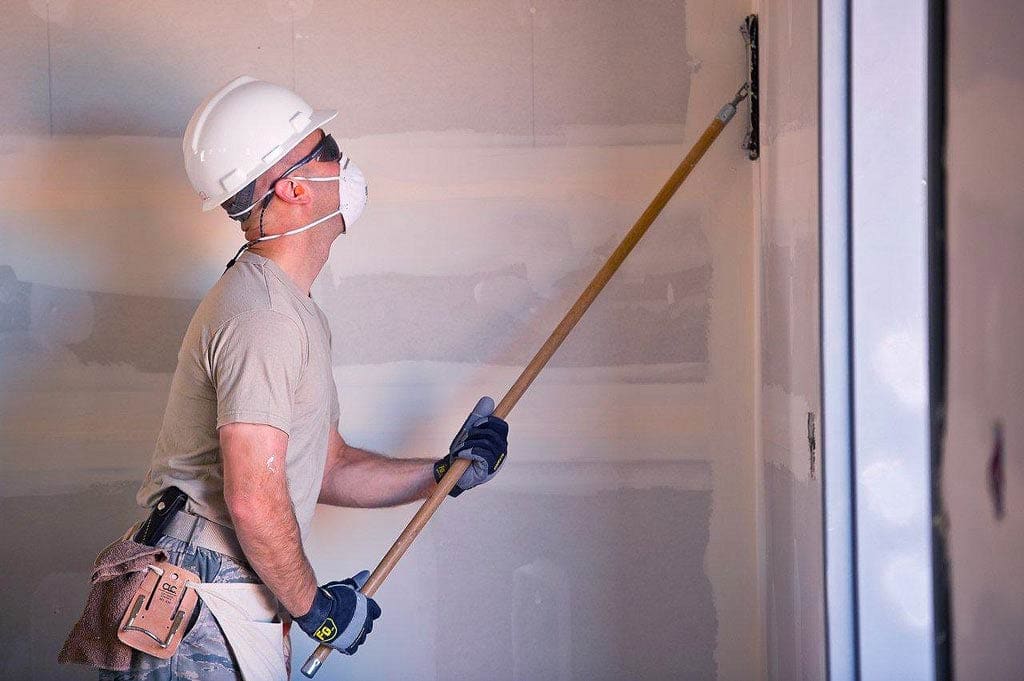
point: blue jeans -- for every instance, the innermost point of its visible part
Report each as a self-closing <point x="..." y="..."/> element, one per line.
<point x="204" y="654"/>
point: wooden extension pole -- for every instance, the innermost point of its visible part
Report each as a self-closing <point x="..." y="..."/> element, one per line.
<point x="532" y="369"/>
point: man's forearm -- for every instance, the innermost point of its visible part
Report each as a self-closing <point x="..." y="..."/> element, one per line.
<point x="256" y="494"/>
<point x="365" y="479"/>
<point x="269" y="535"/>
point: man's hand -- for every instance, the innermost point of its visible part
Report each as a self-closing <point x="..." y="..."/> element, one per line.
<point x="340" y="616"/>
<point x="485" y="445"/>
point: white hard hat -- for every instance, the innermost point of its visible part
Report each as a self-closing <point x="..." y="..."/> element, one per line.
<point x="240" y="131"/>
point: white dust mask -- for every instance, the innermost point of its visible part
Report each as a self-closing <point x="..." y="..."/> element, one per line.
<point x="352" y="196"/>
<point x="352" y="191"/>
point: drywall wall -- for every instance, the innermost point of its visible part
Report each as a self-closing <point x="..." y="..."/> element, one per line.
<point x="983" y="477"/>
<point x="789" y="341"/>
<point x="508" y="145"/>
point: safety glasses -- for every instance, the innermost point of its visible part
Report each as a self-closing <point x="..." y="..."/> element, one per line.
<point x="325" y="150"/>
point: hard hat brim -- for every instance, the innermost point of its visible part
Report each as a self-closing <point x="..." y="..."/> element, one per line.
<point x="318" y="119"/>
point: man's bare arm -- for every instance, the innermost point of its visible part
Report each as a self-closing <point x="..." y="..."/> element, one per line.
<point x="256" y="493"/>
<point x="358" y="478"/>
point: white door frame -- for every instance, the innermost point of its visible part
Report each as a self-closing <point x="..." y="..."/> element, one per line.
<point x="882" y="91"/>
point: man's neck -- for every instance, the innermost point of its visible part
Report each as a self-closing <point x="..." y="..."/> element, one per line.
<point x="301" y="260"/>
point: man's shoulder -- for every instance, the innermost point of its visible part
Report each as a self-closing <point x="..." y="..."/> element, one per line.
<point x="244" y="291"/>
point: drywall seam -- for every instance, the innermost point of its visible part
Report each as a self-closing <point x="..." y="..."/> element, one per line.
<point x="760" y="501"/>
<point x="731" y="562"/>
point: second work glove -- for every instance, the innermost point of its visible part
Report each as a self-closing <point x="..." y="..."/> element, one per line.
<point x="340" y="616"/>
<point x="485" y="445"/>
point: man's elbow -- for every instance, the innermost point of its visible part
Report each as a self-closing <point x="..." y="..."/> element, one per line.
<point x="254" y="478"/>
<point x="252" y="503"/>
<point x="242" y="506"/>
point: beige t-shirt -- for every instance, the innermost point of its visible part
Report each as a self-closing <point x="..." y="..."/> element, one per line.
<point x="256" y="351"/>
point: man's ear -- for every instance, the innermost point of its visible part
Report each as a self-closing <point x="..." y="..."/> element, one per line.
<point x="292" y="191"/>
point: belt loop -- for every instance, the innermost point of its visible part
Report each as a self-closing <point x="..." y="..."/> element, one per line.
<point x="199" y="520"/>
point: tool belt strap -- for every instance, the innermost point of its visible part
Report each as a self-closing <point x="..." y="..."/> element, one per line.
<point x="195" y="529"/>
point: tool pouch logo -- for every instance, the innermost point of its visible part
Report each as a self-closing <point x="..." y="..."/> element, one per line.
<point x="327" y="631"/>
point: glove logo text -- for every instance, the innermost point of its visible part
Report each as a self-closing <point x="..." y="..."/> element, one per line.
<point x="327" y="631"/>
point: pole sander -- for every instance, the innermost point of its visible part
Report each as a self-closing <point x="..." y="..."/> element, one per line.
<point x="486" y="406"/>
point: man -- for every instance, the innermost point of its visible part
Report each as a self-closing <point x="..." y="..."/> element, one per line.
<point x="249" y="442"/>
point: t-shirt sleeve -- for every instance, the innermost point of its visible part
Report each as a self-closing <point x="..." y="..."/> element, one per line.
<point x="256" y="362"/>
<point x="335" y="406"/>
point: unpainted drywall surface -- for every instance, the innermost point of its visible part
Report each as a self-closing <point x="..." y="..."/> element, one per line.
<point x="789" y="341"/>
<point x="508" y="146"/>
<point x="984" y="447"/>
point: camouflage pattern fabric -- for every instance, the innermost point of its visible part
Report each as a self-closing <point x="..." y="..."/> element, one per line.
<point x="204" y="654"/>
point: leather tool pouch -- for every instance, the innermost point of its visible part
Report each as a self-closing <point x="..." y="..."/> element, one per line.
<point x="158" y="613"/>
<point x="170" y="502"/>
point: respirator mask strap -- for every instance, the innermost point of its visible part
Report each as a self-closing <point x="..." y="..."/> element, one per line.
<point x="351" y="202"/>
<point x="326" y="150"/>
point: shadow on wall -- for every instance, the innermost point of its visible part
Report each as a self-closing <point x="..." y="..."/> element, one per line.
<point x="471" y="317"/>
<point x="74" y="437"/>
<point x="794" y="587"/>
<point x="84" y="373"/>
<point x="604" y="586"/>
<point x="50" y="541"/>
<point x="83" y="382"/>
<point x="75" y="440"/>
<point x="580" y="580"/>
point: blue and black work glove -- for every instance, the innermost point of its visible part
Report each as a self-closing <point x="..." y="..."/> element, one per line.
<point x="485" y="445"/>
<point x="341" y="617"/>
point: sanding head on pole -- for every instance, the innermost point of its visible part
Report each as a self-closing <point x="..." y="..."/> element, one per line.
<point x="575" y="313"/>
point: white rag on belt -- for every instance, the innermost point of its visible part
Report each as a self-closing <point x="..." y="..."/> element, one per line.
<point x="246" y="614"/>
